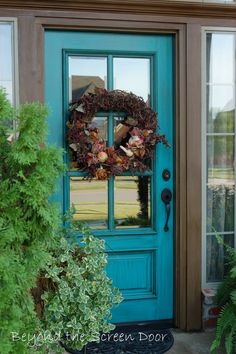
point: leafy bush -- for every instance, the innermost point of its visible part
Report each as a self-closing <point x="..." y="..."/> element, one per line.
<point x="36" y="258"/>
<point x="28" y="221"/>
<point x="226" y="298"/>
<point x="79" y="295"/>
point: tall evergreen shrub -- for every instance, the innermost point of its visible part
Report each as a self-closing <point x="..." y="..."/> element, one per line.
<point x="28" y="221"/>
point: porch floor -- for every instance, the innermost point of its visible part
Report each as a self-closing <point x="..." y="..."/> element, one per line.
<point x="193" y="342"/>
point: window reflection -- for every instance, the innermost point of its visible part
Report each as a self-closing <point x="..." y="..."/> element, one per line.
<point x="220" y="58"/>
<point x="220" y="208"/>
<point x="89" y="199"/>
<point x="220" y="159"/>
<point x="133" y="75"/>
<point x="216" y="265"/>
<point x="132" y="201"/>
<point x="220" y="108"/>
<point x="6" y="59"/>
<point x="85" y="74"/>
<point x="220" y="147"/>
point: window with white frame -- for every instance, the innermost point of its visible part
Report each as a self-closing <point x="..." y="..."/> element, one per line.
<point x="8" y="58"/>
<point x="218" y="151"/>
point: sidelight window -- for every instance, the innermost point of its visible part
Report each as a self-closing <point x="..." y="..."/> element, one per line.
<point x="218" y="152"/>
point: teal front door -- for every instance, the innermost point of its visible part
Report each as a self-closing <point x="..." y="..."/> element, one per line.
<point x="127" y="211"/>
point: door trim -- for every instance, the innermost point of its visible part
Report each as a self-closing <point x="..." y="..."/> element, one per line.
<point x="180" y="8"/>
<point x="187" y="254"/>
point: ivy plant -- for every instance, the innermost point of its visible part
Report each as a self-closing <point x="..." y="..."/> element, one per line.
<point x="79" y="295"/>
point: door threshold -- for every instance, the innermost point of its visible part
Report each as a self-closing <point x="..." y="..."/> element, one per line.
<point x="144" y="325"/>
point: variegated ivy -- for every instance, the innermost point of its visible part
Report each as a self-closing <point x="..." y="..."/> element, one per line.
<point x="78" y="305"/>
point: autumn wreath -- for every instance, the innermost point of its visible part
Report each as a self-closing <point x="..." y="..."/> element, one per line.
<point x="134" y="137"/>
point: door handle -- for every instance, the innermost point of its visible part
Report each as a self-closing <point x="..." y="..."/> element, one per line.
<point x="166" y="197"/>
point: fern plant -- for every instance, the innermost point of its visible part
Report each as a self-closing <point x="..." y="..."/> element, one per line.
<point x="226" y="299"/>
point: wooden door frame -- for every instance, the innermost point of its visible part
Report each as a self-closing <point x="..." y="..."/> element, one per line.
<point x="187" y="32"/>
<point x="183" y="288"/>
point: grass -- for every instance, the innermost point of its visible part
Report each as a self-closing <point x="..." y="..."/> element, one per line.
<point x="221" y="173"/>
<point x="92" y="211"/>
<point x="77" y="184"/>
<point x="127" y="212"/>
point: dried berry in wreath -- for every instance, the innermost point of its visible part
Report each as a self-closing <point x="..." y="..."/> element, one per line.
<point x="134" y="138"/>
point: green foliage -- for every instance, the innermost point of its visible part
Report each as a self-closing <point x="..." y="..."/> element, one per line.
<point x="78" y="304"/>
<point x="226" y="298"/>
<point x="34" y="246"/>
<point x="28" y="222"/>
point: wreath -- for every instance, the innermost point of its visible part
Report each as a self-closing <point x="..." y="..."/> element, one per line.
<point x="134" y="137"/>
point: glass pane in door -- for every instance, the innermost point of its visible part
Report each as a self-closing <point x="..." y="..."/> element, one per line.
<point x="133" y="75"/>
<point x="132" y="201"/>
<point x="85" y="74"/>
<point x="89" y="199"/>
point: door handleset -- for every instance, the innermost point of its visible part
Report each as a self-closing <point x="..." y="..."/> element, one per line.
<point x="166" y="197"/>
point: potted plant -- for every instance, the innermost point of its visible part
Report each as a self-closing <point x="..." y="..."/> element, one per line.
<point x="76" y="292"/>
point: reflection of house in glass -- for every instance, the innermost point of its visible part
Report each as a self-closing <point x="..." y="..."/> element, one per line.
<point x="224" y="121"/>
<point x="81" y="85"/>
<point x="222" y="147"/>
<point x="220" y="189"/>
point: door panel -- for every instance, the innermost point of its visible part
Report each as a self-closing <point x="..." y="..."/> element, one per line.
<point x="127" y="210"/>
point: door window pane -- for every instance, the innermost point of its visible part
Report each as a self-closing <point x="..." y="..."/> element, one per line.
<point x="216" y="266"/>
<point x="121" y="139"/>
<point x="133" y="75"/>
<point x="131" y="195"/>
<point x="220" y="208"/>
<point x="85" y="74"/>
<point x="220" y="159"/>
<point x="121" y="132"/>
<point x="89" y="199"/>
<point x="96" y="130"/>
<point x="132" y="201"/>
<point x="220" y="108"/>
<point x="100" y="123"/>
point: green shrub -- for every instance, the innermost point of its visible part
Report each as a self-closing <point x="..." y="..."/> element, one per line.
<point x="28" y="221"/>
<point x="226" y="299"/>
<point x="48" y="282"/>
